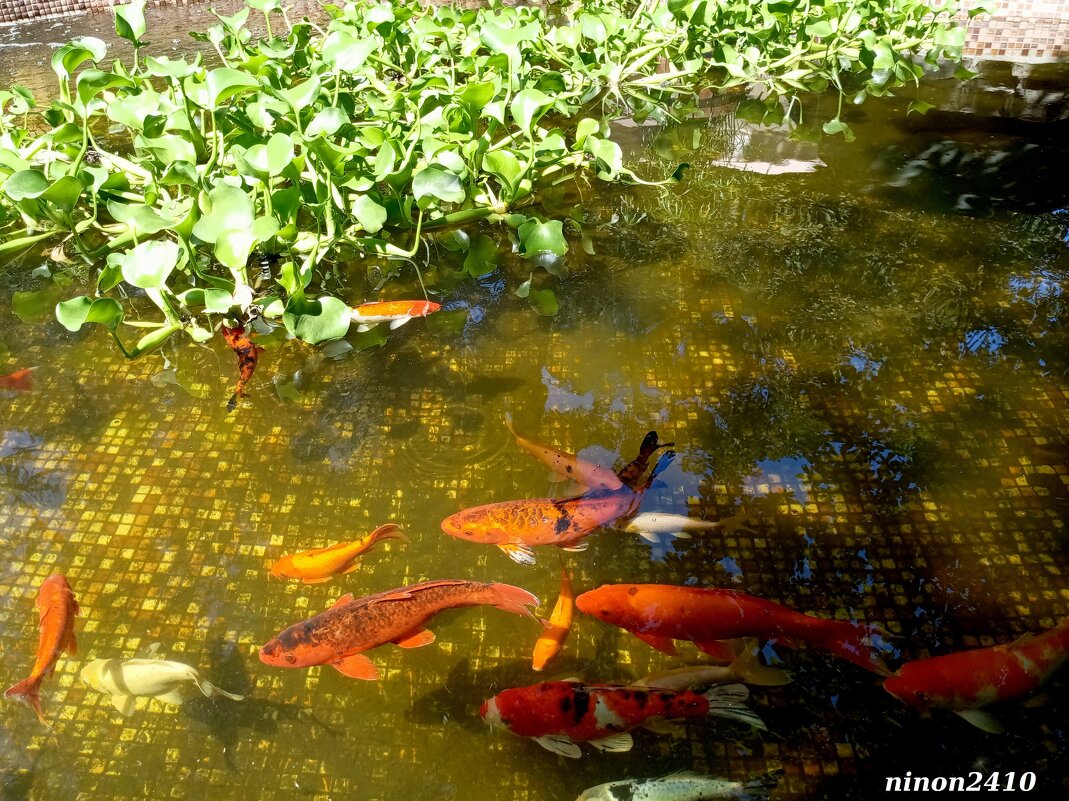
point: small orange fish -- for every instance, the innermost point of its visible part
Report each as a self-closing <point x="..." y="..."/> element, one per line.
<point x="322" y="564"/>
<point x="394" y="312"/>
<point x="21" y="380"/>
<point x="56" y="608"/>
<point x="589" y="474"/>
<point x="248" y="354"/>
<point x="560" y="623"/>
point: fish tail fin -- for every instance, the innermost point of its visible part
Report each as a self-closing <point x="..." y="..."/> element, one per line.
<point x="210" y="689"/>
<point x="750" y="670"/>
<point x="232" y="404"/>
<point x="513" y="599"/>
<point x="856" y="642"/>
<point x="759" y="787"/>
<point x="27" y="690"/>
<point x="728" y="701"/>
<point x="389" y="531"/>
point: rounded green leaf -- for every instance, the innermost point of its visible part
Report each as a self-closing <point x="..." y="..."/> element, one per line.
<point x="230" y="209"/>
<point x="346" y="53"/>
<point x="164" y="67"/>
<point x="223" y="83"/>
<point x="542" y="237"/>
<point x="130" y="20"/>
<point x="527" y="106"/>
<point x="316" y="321"/>
<point x="369" y="214"/>
<point x="74" y="313"/>
<point x="326" y="122"/>
<point x="68" y="58"/>
<point x="543" y="301"/>
<point x="435" y="181"/>
<point x="26" y="184"/>
<point x="150" y="264"/>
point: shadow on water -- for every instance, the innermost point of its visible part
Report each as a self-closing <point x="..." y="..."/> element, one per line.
<point x="231" y="722"/>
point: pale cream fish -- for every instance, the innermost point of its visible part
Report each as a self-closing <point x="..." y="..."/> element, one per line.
<point x="127" y="680"/>
<point x="682" y="786"/>
<point x="649" y="525"/>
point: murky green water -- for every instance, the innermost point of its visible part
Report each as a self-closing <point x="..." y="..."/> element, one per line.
<point x="870" y="356"/>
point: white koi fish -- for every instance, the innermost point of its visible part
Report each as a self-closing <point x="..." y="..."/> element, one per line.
<point x="649" y="525"/>
<point x="161" y="679"/>
<point x="683" y="786"/>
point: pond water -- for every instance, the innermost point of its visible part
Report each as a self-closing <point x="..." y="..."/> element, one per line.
<point x="864" y="345"/>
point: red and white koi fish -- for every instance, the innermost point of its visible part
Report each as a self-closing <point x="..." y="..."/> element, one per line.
<point x="559" y="714"/>
<point x="339" y="636"/>
<point x="516" y="526"/>
<point x="394" y="312"/>
<point x="659" y="613"/>
<point x="56" y="609"/>
<point x="20" y="380"/>
<point x="968" y="680"/>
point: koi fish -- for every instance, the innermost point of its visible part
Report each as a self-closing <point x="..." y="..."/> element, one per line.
<point x="248" y="354"/>
<point x="745" y="668"/>
<point x="21" y="380"/>
<point x="560" y="623"/>
<point x="649" y="525"/>
<point x="322" y="564"/>
<point x="589" y="474"/>
<point x="161" y="679"/>
<point x="659" y="613"/>
<point x="968" y="680"/>
<point x="559" y="714"/>
<point x="56" y="610"/>
<point x="339" y="636"/>
<point x="682" y="786"/>
<point x="516" y="526"/>
<point x="394" y="312"/>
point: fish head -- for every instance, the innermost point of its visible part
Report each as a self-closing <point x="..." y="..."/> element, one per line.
<point x="427" y="307"/>
<point x="54" y="590"/>
<point x="609" y="604"/>
<point x="281" y="569"/>
<point x="491" y="714"/>
<point x="909" y="690"/>
<point x="471" y="526"/>
<point x="273" y="653"/>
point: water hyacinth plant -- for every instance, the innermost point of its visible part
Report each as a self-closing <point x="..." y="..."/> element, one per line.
<point x="394" y="122"/>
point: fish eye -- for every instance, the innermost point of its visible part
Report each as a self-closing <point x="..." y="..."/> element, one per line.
<point x="290" y="658"/>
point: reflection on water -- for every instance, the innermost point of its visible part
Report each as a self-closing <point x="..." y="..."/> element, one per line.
<point x="869" y="359"/>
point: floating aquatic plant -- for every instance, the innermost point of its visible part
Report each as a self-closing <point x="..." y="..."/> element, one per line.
<point x="393" y="123"/>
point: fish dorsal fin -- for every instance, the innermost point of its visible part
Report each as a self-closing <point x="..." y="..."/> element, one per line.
<point x="682" y="776"/>
<point x="981" y="720"/>
<point x="356" y="666"/>
<point x="403" y="593"/>
<point x="559" y="745"/>
<point x="614" y="743"/>
<point x="520" y="554"/>
<point x="662" y="644"/>
<point x="415" y="639"/>
<point x="342" y="601"/>
<point x="1020" y="642"/>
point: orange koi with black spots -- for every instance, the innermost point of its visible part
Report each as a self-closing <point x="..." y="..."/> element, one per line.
<point x="248" y="354"/>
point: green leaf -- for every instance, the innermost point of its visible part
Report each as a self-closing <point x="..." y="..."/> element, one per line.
<point x="475" y="95"/>
<point x="271" y="159"/>
<point x="74" y="313"/>
<point x="64" y="193"/>
<point x="223" y="83"/>
<point x="527" y="106"/>
<point x="70" y="56"/>
<point x="326" y="122"/>
<point x="822" y="28"/>
<point x="542" y="237"/>
<point x="142" y="219"/>
<point x="149" y="265"/>
<point x="130" y="20"/>
<point x="92" y="82"/>
<point x="482" y="256"/>
<point x="303" y="95"/>
<point x="369" y="214"/>
<point x="316" y="321"/>
<point x="164" y="67"/>
<point x="32" y="307"/>
<point x="609" y="156"/>
<point x="832" y="127"/>
<point x="435" y="181"/>
<point x="167" y="149"/>
<point x="26" y="184"/>
<point x="506" y="168"/>
<point x="543" y="301"/>
<point x="344" y="52"/>
<point x="229" y="209"/>
<point x="919" y="106"/>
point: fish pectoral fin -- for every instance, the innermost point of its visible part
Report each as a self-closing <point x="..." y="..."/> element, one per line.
<point x="72" y="644"/>
<point x="415" y="639"/>
<point x="171" y="697"/>
<point x="520" y="554"/>
<point x="559" y="745"/>
<point x="356" y="666"/>
<point x="662" y="644"/>
<point x="681" y="535"/>
<point x="126" y="704"/>
<point x="320" y="581"/>
<point x="395" y="324"/>
<point x="351" y="568"/>
<point x="718" y="649"/>
<point x="981" y="720"/>
<point x="343" y="600"/>
<point x="365" y="327"/>
<point x="577" y="547"/>
<point x="649" y="536"/>
<point x="615" y="743"/>
<point x="662" y="726"/>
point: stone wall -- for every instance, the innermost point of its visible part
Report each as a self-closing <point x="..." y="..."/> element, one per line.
<point x="1019" y="30"/>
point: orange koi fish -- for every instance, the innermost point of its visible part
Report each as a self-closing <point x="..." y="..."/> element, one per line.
<point x="248" y="354"/>
<point x="394" y="312"/>
<point x="322" y="564"/>
<point x="21" y="380"/>
<point x="559" y="714"/>
<point x="660" y="613"/>
<point x="339" y="636"/>
<point x="560" y="623"/>
<point x="56" y="609"/>
<point x="589" y="474"/>
<point x="515" y="526"/>
<point x="968" y="680"/>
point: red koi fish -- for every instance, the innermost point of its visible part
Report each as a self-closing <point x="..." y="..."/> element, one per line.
<point x="248" y="354"/>
<point x="516" y="526"/>
<point x="965" y="681"/>
<point x="56" y="609"/>
<point x="660" y="613"/>
<point x="394" y="312"/>
<point x="339" y="636"/>
<point x="322" y="564"/>
<point x="20" y="380"/>
<point x="559" y="714"/>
